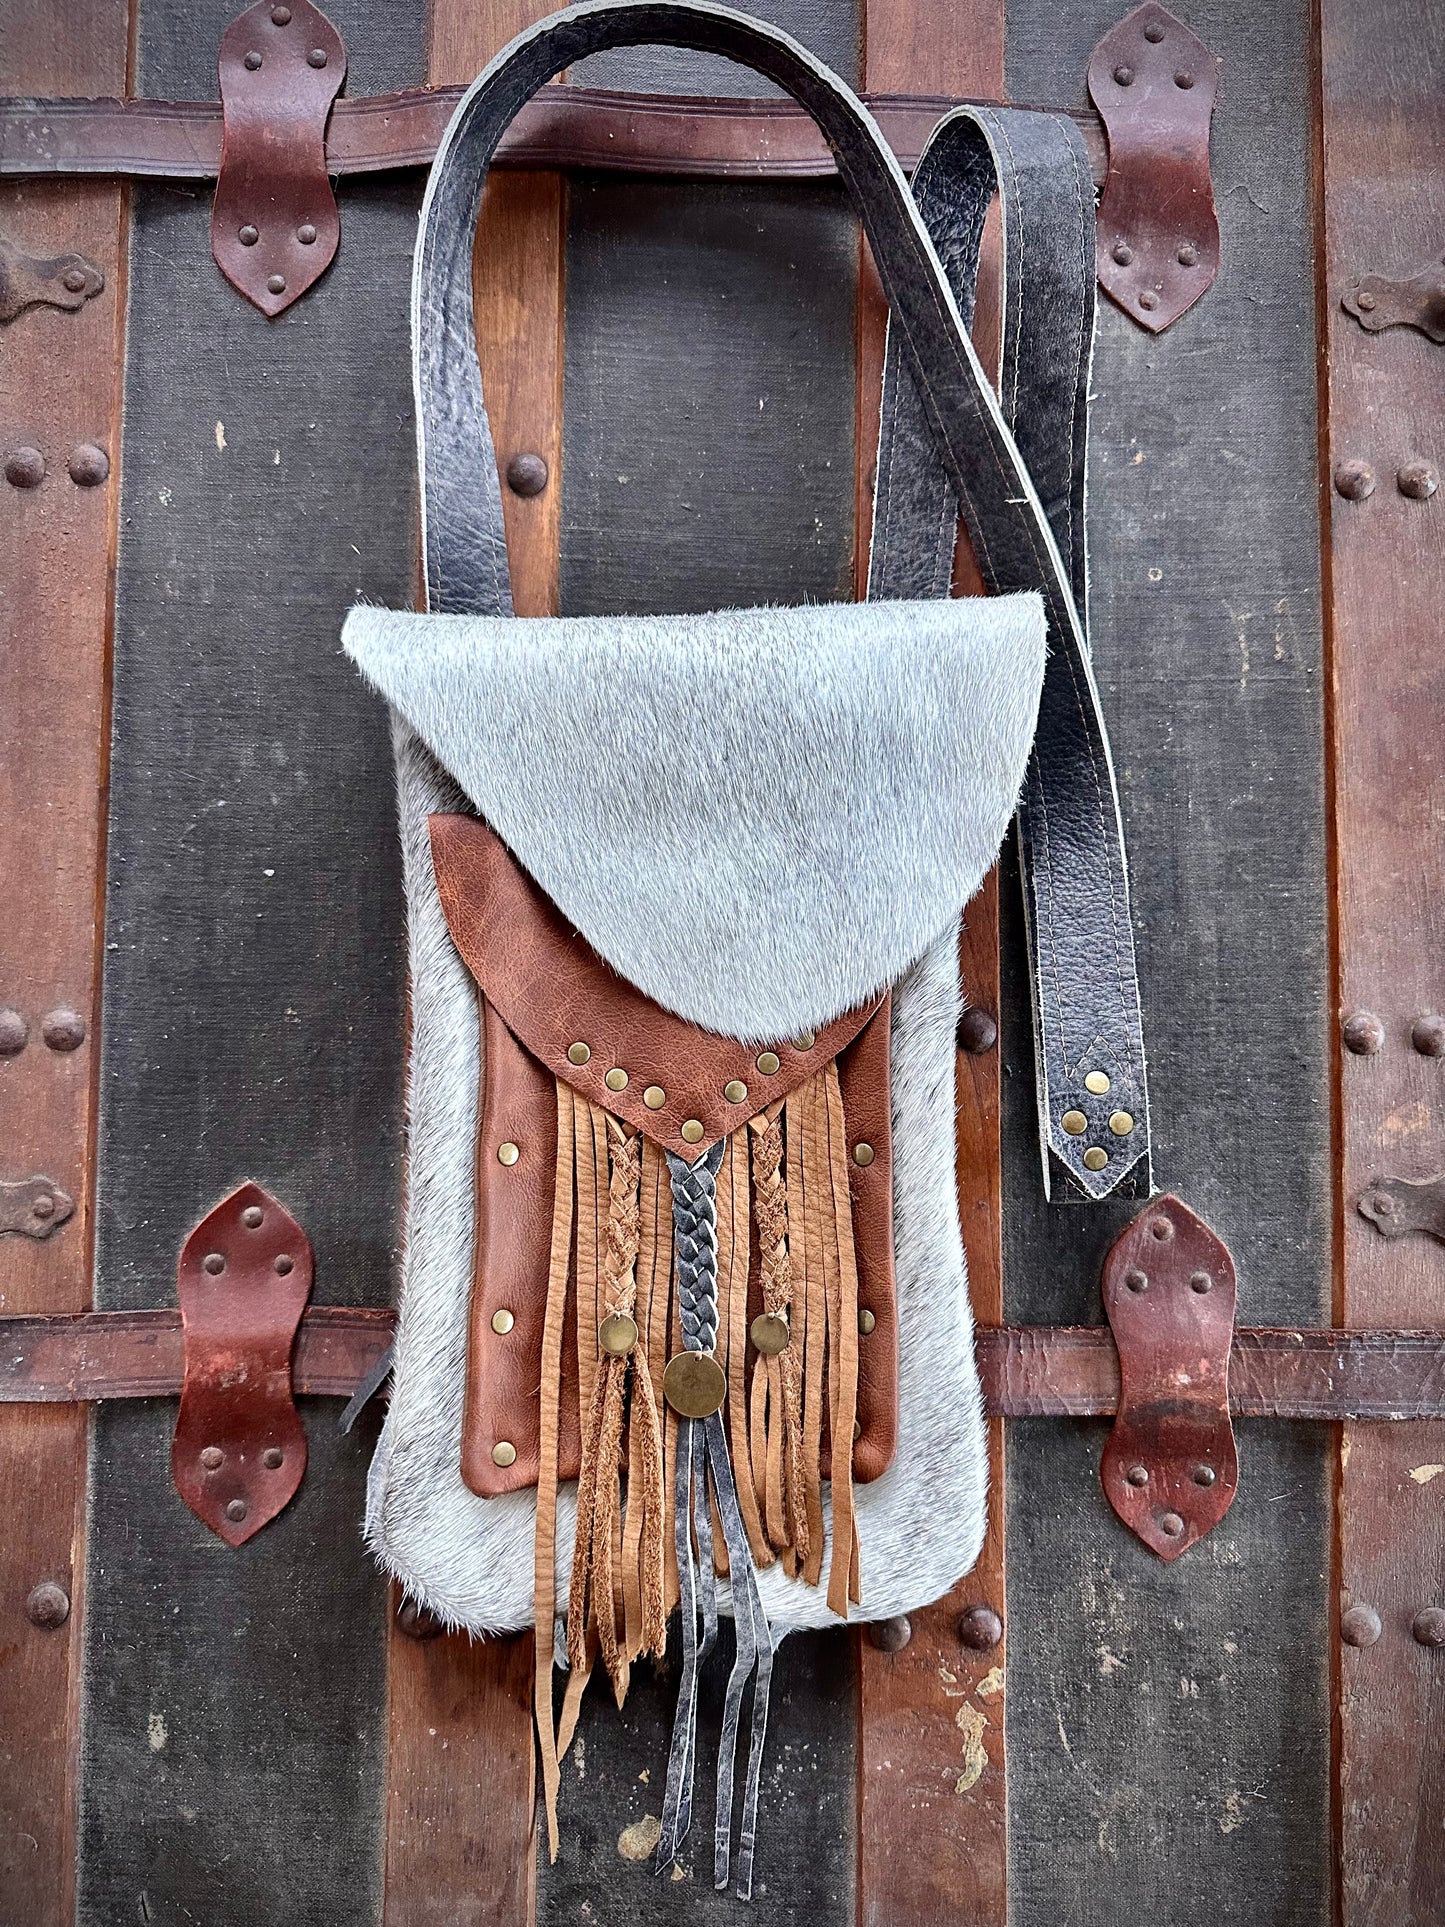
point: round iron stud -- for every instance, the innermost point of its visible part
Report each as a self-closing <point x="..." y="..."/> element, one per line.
<point x="214" y="1263"/>
<point x="979" y="1628"/>
<point x="283" y="1264"/>
<point x="14" y="1032"/>
<point x="890" y="1635"/>
<point x="64" y="1030"/>
<point x="1362" y="1032"/>
<point x="1355" y="480"/>
<point x="212" y="1457"/>
<point x="1427" y="1034"/>
<point x="1360" y="1626"/>
<point x="1138" y="1475"/>
<point x="1418" y="480"/>
<point x="1428" y="1626"/>
<point x="25" y="468"/>
<point x="977" y="1032"/>
<point x="89" y="465"/>
<point x="1171" y="1525"/>
<point x="236" y="1511"/>
<point x="527" y="474"/>
<point x="47" y="1606"/>
<point x="249" y="235"/>
<point x="272" y="1458"/>
<point x="306" y="234"/>
<point x="253" y="1217"/>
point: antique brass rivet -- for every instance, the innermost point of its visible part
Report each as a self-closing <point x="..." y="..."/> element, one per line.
<point x="502" y="1322"/>
<point x="617" y="1334"/>
<point x="579" y="1053"/>
<point x="504" y="1453"/>
<point x="1095" y="1158"/>
<point x="692" y="1131"/>
<point x="507" y="1153"/>
<point x="694" y="1384"/>
<point x="804" y="1040"/>
<point x="857" y="1430"/>
<point x="616" y="1079"/>
<point x="654" y="1097"/>
<point x="1120" y="1123"/>
<point x="770" y="1333"/>
<point x="735" y="1091"/>
<point x="863" y="1154"/>
<point x="768" y="1062"/>
<point x="866" y="1321"/>
<point x="1097" y="1082"/>
<point x="1075" y="1123"/>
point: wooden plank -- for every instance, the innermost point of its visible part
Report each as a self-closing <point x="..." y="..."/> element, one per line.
<point x="709" y="462"/>
<point x="59" y="387"/>
<point x="1169" y="1725"/>
<point x="1383" y="134"/>
<point x="460" y="1819"/>
<point x="234" y="1725"/>
<point x="931" y="1716"/>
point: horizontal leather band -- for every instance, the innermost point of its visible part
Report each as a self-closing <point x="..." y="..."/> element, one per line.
<point x="564" y="127"/>
<point x="1027" y="1371"/>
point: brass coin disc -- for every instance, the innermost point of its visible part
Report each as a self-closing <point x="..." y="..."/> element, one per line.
<point x="694" y="1384"/>
<point x="770" y="1333"/>
<point x="617" y="1334"/>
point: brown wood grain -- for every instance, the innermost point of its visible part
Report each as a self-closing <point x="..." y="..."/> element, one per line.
<point x="460" y="1831"/>
<point x="60" y="376"/>
<point x="933" y="1808"/>
<point x="1383" y="127"/>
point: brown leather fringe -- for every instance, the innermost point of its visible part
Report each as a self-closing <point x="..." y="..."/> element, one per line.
<point x="804" y="1184"/>
<point x="843" y="1578"/>
<point x="734" y="1274"/>
<point x="544" y="1571"/>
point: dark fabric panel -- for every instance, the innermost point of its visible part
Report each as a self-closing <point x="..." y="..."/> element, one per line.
<point x="253" y="1027"/>
<point x="177" y="45"/>
<point x="829" y="30"/>
<point x="1169" y="1726"/>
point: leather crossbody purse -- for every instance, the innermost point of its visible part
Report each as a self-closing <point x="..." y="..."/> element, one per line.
<point x="684" y="1317"/>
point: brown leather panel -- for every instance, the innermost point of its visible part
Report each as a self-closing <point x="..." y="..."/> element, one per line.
<point x="510" y="1263"/>
<point x="863" y="1076"/>
<point x="554" y="991"/>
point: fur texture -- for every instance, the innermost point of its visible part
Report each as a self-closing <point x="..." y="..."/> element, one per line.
<point x="761" y="817"/>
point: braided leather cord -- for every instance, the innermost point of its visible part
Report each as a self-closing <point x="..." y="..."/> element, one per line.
<point x="694" y="1224"/>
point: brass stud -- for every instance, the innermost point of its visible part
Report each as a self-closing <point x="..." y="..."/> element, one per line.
<point x="770" y="1333"/>
<point x="504" y="1453"/>
<point x="579" y="1053"/>
<point x="654" y="1097"/>
<point x="1121" y="1124"/>
<point x="735" y="1091"/>
<point x="857" y="1430"/>
<point x="616" y="1079"/>
<point x="502" y="1322"/>
<point x="692" y="1131"/>
<point x="863" y="1154"/>
<point x="1095" y="1158"/>
<point x="866" y="1321"/>
<point x="769" y="1062"/>
<point x="1097" y="1082"/>
<point x="1075" y="1123"/>
<point x="694" y="1384"/>
<point x="507" y="1153"/>
<point x="804" y="1040"/>
<point x="617" y="1334"/>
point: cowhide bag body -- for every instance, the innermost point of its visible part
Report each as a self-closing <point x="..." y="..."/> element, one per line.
<point x="684" y="1318"/>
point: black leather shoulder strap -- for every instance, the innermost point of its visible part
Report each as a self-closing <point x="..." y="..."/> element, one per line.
<point x="1087" y="1024"/>
<point x="1075" y="870"/>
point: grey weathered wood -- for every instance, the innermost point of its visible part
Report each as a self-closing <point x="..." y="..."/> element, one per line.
<point x="1169" y="1726"/>
<point x="234" y="1716"/>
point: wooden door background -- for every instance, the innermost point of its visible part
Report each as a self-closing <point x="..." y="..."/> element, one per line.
<point x="200" y="861"/>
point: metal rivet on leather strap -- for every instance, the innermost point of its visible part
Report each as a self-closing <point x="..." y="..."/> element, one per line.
<point x="1097" y="1082"/>
<point x="502" y="1322"/>
<point x="654" y="1097"/>
<point x="579" y="1053"/>
<point x="1137" y="1475"/>
<point x="212" y="1456"/>
<point x="1095" y="1158"/>
<point x="306" y="234"/>
<point x="770" y="1333"/>
<point x="692" y="1131"/>
<point x="857" y="1430"/>
<point x="769" y="1062"/>
<point x="735" y="1091"/>
<point x="504" y="1453"/>
<point x="863" y="1154"/>
<point x="616" y="1079"/>
<point x="1121" y="1124"/>
<point x="276" y="283"/>
<point x="694" y="1384"/>
<point x="804" y="1040"/>
<point x="617" y="1334"/>
<point x="1075" y="1123"/>
<point x="236" y="1511"/>
<point x="273" y="1458"/>
<point x="866" y="1321"/>
<point x="507" y="1153"/>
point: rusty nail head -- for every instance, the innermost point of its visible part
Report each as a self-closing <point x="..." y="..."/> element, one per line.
<point x="1182" y="79"/>
<point x="276" y="283"/>
<point x="272" y="1457"/>
<point x="1365" y="301"/>
<point x="527" y="474"/>
<point x="316" y="57"/>
<point x="1418" y="480"/>
<point x="13" y="1032"/>
<point x="1122" y="253"/>
<point x="236" y="1511"/>
<point x="1428" y="1626"/>
<point x="25" y="467"/>
<point x="1201" y="1281"/>
<point x="214" y="1263"/>
<point x="283" y="1264"/>
<point x="1382" y="1204"/>
<point x="1427" y="1034"/>
<point x="281" y="16"/>
<point x="89" y="465"/>
<point x="1172" y="1524"/>
<point x="253" y="1217"/>
<point x="413" y="1619"/>
<point x="1137" y="1280"/>
<point x="977" y="1032"/>
<point x="63" y="1029"/>
<point x="74" y="279"/>
<point x="43" y="1207"/>
<point x="1204" y="1475"/>
<point x="1161" y="1230"/>
<point x="1148" y="298"/>
<point x="1188" y="255"/>
<point x="253" y="61"/>
<point x="1154" y="32"/>
<point x="306" y="234"/>
<point x="48" y="1606"/>
<point x="890" y="1635"/>
<point x="1124" y="75"/>
<point x="248" y="235"/>
<point x="212" y="1456"/>
<point x="1355" y="480"/>
<point x="979" y="1628"/>
<point x="1363" y="1033"/>
<point x="1137" y="1475"/>
<point x="1360" y="1626"/>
